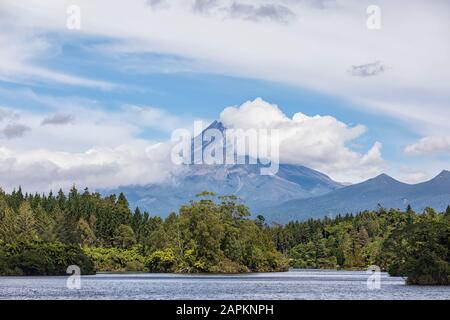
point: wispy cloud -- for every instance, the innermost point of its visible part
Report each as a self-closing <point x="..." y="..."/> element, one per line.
<point x="430" y="146"/>
<point x="241" y="10"/>
<point x="7" y="113"/>
<point x="14" y="130"/>
<point x="20" y="51"/>
<point x="368" y="70"/>
<point x="274" y="12"/>
<point x="58" y="119"/>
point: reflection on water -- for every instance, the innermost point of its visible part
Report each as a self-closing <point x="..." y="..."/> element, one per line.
<point x="295" y="284"/>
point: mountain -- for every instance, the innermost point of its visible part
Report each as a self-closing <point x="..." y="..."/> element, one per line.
<point x="243" y="180"/>
<point x="382" y="190"/>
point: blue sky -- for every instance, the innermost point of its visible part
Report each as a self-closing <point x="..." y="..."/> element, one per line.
<point x="113" y="88"/>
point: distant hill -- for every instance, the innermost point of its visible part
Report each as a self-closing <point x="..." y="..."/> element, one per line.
<point x="382" y="190"/>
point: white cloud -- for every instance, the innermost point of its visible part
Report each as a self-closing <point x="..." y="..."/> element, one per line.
<point x="320" y="142"/>
<point x="413" y="175"/>
<point x="103" y="148"/>
<point x="7" y="114"/>
<point x="429" y="145"/>
<point x="94" y="124"/>
<point x="152" y="117"/>
<point x="43" y="169"/>
<point x="21" y="48"/>
<point x="99" y="150"/>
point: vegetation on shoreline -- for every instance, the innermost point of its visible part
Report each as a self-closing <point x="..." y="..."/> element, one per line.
<point x="404" y="243"/>
<point x="213" y="234"/>
<point x="37" y="258"/>
<point x="44" y="234"/>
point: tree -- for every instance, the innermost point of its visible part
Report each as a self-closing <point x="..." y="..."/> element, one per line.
<point x="124" y="237"/>
<point x="8" y="223"/>
<point x="202" y="232"/>
<point x="66" y="227"/>
<point x="409" y="209"/>
<point x="87" y="236"/>
<point x="162" y="261"/>
<point x="26" y="223"/>
<point x="261" y="221"/>
<point x="61" y="199"/>
<point x="420" y="251"/>
<point x="123" y="211"/>
<point x="45" y="225"/>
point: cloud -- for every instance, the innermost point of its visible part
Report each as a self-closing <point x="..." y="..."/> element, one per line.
<point x="274" y="12"/>
<point x="430" y="146"/>
<point x="204" y="5"/>
<point x="311" y="52"/>
<point x="119" y="153"/>
<point x="151" y="117"/>
<point x="368" y="70"/>
<point x="14" y="130"/>
<point x="113" y="126"/>
<point x="6" y="113"/>
<point x="412" y="175"/>
<point x="21" y="48"/>
<point x="319" y="142"/>
<point x="43" y="169"/>
<point x="157" y="4"/>
<point x="58" y="119"/>
<point x="241" y="10"/>
<point x="115" y="155"/>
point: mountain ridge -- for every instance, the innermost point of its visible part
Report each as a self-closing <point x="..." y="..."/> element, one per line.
<point x="382" y="190"/>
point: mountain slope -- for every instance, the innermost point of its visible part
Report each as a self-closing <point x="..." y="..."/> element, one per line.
<point x="244" y="181"/>
<point x="382" y="190"/>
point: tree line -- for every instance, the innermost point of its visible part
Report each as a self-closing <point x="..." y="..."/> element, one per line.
<point x="43" y="234"/>
<point x="211" y="234"/>
<point x="402" y="242"/>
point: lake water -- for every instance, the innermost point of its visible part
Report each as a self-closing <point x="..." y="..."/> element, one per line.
<point x="295" y="284"/>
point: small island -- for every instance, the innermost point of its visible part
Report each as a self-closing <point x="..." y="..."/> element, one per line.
<point x="44" y="234"/>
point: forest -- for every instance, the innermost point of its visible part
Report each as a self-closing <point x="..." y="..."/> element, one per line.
<point x="44" y="234"/>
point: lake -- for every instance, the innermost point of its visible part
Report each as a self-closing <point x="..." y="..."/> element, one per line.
<point x="295" y="284"/>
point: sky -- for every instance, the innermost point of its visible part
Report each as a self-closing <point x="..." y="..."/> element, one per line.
<point x="90" y="92"/>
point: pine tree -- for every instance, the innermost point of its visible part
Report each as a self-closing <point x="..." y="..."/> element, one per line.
<point x="8" y="227"/>
<point x="61" y="199"/>
<point x="87" y="236"/>
<point x="26" y="222"/>
<point x="124" y="236"/>
<point x="123" y="211"/>
<point x="136" y="223"/>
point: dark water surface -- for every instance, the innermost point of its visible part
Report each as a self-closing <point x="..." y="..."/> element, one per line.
<point x="295" y="284"/>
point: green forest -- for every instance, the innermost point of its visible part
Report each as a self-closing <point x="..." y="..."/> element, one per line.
<point x="44" y="234"/>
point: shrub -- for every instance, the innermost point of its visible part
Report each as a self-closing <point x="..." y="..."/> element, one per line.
<point x="161" y="261"/>
<point x="116" y="259"/>
<point x="42" y="258"/>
